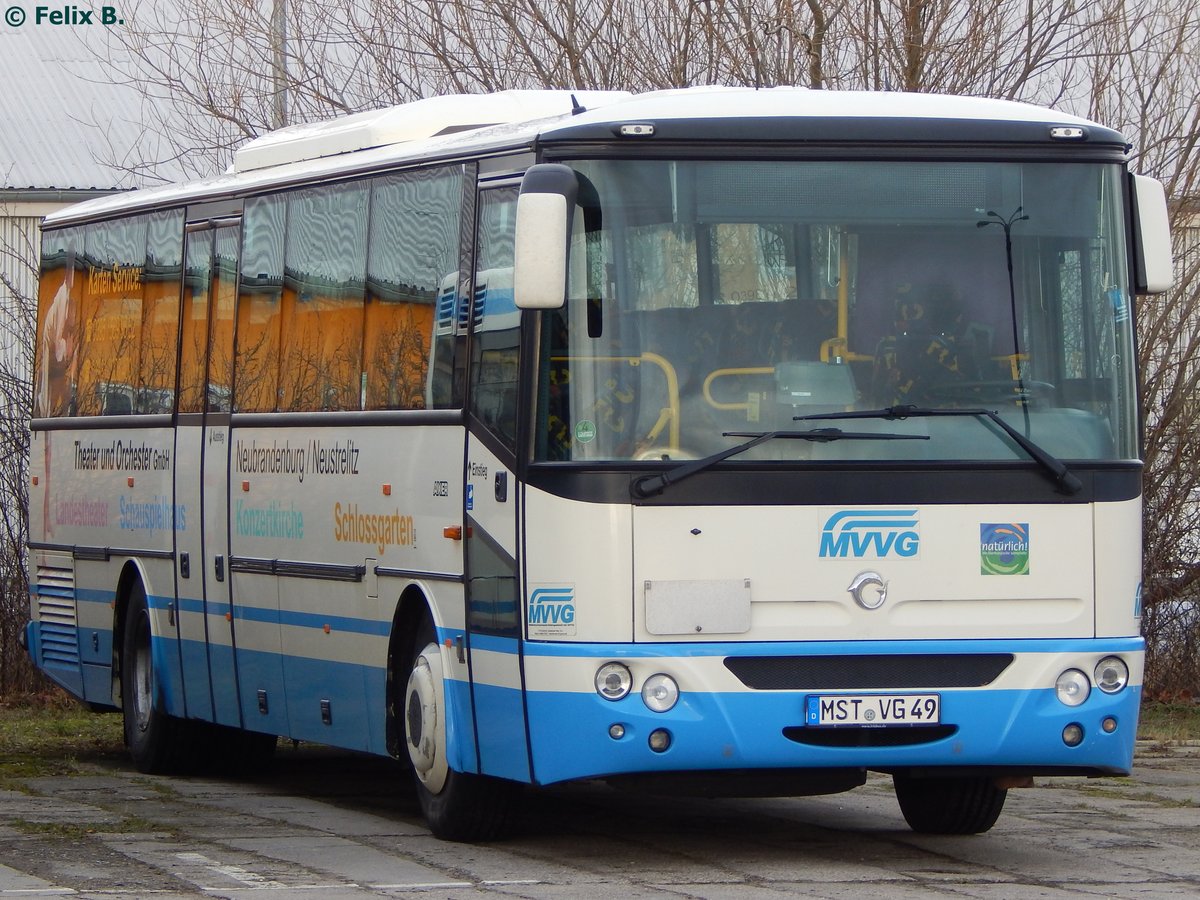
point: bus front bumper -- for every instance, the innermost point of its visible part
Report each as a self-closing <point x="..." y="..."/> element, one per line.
<point x="1001" y="728"/>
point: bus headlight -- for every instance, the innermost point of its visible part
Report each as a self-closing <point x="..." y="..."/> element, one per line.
<point x="613" y="681"/>
<point x="1112" y="675"/>
<point x="1072" y="687"/>
<point x="660" y="692"/>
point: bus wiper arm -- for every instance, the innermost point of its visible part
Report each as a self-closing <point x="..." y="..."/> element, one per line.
<point x="1054" y="467"/>
<point x="649" y="485"/>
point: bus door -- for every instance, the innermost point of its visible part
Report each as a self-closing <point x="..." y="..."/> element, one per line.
<point x="202" y="471"/>
<point x="492" y="499"/>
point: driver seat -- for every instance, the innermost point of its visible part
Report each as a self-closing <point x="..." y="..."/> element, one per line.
<point x="927" y="350"/>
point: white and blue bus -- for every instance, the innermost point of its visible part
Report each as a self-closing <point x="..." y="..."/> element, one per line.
<point x="744" y="441"/>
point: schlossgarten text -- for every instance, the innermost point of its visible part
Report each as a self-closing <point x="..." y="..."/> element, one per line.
<point x="382" y="530"/>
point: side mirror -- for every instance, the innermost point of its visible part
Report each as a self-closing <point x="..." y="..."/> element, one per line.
<point x="545" y="211"/>
<point x="1152" y="236"/>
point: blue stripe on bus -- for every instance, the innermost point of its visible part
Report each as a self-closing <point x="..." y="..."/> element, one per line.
<point x="828" y="648"/>
<point x="374" y="627"/>
<point x="570" y="733"/>
<point x="492" y="643"/>
<point x="272" y="616"/>
<point x="744" y="729"/>
<point x="87" y="595"/>
<point x="249" y="613"/>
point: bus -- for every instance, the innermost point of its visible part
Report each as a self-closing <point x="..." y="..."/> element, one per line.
<point x="732" y="441"/>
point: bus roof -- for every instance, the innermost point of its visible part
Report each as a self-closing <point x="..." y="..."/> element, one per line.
<point x="463" y="126"/>
<point x="721" y="102"/>
<point x="416" y="121"/>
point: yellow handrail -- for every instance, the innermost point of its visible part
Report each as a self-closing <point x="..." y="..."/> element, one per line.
<point x="843" y="323"/>
<point x="1014" y="361"/>
<point x="722" y="373"/>
<point x="671" y="412"/>
<point x="837" y="349"/>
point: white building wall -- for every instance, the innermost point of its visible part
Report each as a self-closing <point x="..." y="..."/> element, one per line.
<point x="19" y="246"/>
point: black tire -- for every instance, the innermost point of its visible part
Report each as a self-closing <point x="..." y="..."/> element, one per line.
<point x="467" y="808"/>
<point x="159" y="743"/>
<point x="949" y="805"/>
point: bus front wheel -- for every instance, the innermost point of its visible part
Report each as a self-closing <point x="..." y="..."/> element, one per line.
<point x="458" y="806"/>
<point x="966" y="805"/>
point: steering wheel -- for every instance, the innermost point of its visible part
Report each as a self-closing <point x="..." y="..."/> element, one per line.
<point x="664" y="453"/>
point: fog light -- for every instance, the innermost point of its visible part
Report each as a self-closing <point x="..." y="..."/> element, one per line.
<point x="616" y="731"/>
<point x="1072" y="687"/>
<point x="613" y="681"/>
<point x="1109" y="725"/>
<point x="1112" y="674"/>
<point x="660" y="740"/>
<point x="660" y="692"/>
<point x="1073" y="735"/>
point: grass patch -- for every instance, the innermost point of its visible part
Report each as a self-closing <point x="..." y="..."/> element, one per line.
<point x="80" y="831"/>
<point x="1137" y="796"/>
<point x="1159" y="800"/>
<point x="52" y="739"/>
<point x="159" y="787"/>
<point x="1163" y="722"/>
<point x="54" y="829"/>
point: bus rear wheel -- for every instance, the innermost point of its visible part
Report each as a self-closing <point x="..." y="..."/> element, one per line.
<point x="158" y="742"/>
<point x="967" y="805"/>
<point x="457" y="806"/>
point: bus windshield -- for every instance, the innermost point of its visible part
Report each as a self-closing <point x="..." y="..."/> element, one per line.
<point x="709" y="299"/>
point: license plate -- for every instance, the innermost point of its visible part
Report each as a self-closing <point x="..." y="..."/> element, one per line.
<point x="833" y="710"/>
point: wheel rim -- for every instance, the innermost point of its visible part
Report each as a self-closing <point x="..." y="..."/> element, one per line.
<point x="142" y="675"/>
<point x="424" y="720"/>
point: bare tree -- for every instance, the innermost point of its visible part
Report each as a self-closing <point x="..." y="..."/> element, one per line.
<point x="18" y="249"/>
<point x="212" y="73"/>
<point x="218" y="72"/>
<point x="1151" y="89"/>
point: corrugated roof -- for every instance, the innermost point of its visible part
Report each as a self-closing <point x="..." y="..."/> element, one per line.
<point x="58" y="114"/>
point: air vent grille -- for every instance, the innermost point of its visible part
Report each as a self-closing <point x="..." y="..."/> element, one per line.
<point x="877" y="672"/>
<point x="54" y="591"/>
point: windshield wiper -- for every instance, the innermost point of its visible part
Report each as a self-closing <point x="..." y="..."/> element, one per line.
<point x="649" y="485"/>
<point x="1062" y="477"/>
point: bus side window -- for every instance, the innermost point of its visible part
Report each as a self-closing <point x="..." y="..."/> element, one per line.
<point x="160" y="313"/>
<point x="339" y="293"/>
<point x="110" y="317"/>
<point x="60" y="290"/>
<point x="412" y="270"/>
<point x="325" y="265"/>
<point x="260" y="305"/>
<point x="495" y="319"/>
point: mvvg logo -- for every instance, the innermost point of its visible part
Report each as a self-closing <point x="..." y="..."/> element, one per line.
<point x="552" y="609"/>
<point x="871" y="534"/>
